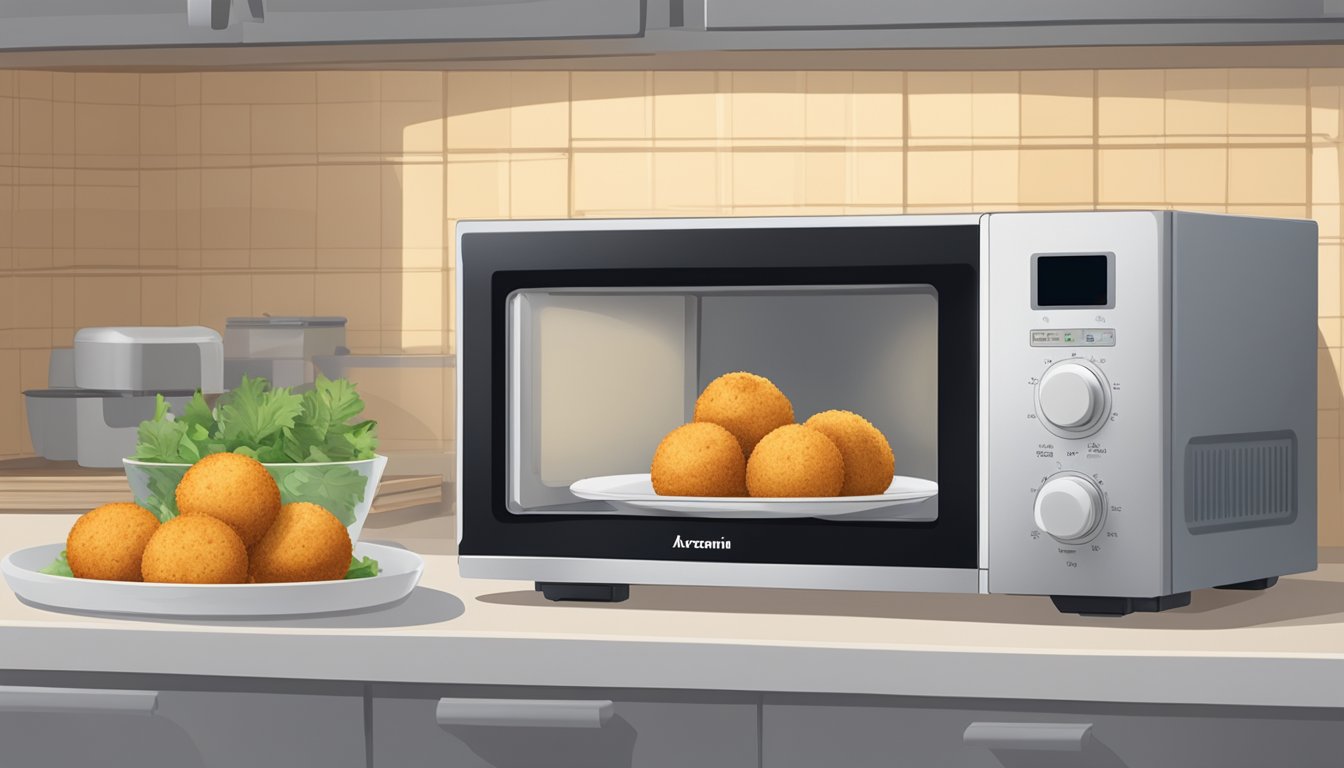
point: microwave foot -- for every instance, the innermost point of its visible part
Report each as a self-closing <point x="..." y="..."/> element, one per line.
<point x="1084" y="605"/>
<point x="592" y="593"/>
<point x="1255" y="584"/>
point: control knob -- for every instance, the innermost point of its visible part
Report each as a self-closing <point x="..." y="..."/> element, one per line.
<point x="1069" y="507"/>
<point x="1071" y="398"/>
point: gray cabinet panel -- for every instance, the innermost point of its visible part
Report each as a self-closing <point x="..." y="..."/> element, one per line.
<point x="814" y="731"/>
<point x="805" y="14"/>
<point x="186" y="729"/>
<point x="244" y="729"/>
<point x="105" y="25"/>
<point x="669" y="730"/>
<point x="29" y="24"/>
<point x="319" y="21"/>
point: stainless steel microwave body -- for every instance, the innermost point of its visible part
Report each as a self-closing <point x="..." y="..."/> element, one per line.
<point x="1115" y="407"/>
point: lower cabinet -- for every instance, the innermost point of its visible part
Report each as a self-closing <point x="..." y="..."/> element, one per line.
<point x="141" y="726"/>
<point x="859" y="732"/>
<point x="524" y="727"/>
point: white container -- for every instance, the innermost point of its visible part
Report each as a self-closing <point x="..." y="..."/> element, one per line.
<point x="150" y="359"/>
<point x="283" y="337"/>
<point x="107" y="425"/>
<point x="152" y="482"/>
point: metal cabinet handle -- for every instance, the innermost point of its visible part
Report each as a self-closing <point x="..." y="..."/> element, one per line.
<point x="1037" y="737"/>
<point x="524" y="713"/>
<point x="17" y="698"/>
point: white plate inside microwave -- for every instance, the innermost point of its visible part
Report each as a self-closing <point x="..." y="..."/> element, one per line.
<point x="633" y="495"/>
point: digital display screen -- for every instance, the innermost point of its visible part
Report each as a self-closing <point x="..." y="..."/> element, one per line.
<point x="1073" y="281"/>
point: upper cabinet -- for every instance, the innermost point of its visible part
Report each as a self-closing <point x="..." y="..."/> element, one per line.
<point x="985" y="23"/>
<point x="806" y="14"/>
<point x="359" y="21"/>
<point x="260" y="33"/>
<point x="36" y="24"/>
<point x="47" y="24"/>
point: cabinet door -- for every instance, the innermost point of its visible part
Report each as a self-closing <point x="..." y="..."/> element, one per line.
<point x="328" y="21"/>
<point x="103" y="23"/>
<point x="524" y="728"/>
<point x="805" y="14"/>
<point x="967" y="734"/>
<point x="116" y="728"/>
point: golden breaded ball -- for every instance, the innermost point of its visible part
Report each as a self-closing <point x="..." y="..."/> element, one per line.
<point x="233" y="488"/>
<point x="699" y="459"/>
<point x="745" y="404"/>
<point x="869" y="462"/>
<point x="306" y="543"/>
<point x="195" y="550"/>
<point x="795" y="460"/>
<point x="108" y="542"/>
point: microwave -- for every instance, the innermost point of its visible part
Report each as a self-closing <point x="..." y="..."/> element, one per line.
<point x="1109" y="408"/>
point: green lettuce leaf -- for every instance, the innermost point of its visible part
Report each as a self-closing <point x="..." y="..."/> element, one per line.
<point x="199" y="418"/>
<point x="61" y="567"/>
<point x="252" y="416"/>
<point x="338" y="489"/>
<point x="362" y="568"/>
<point x="160" y="439"/>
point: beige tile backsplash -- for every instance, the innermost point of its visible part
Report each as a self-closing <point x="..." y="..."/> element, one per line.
<point x="189" y="197"/>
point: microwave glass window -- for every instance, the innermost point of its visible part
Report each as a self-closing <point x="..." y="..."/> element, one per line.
<point x="1073" y="281"/>
<point x="598" y="377"/>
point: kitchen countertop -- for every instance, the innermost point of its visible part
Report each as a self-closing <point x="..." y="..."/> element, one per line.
<point x="1283" y="647"/>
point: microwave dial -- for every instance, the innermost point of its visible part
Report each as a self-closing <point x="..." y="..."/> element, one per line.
<point x="1069" y="507"/>
<point x="1073" y="398"/>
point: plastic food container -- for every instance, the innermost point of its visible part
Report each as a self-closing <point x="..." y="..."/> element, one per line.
<point x="154" y="486"/>
<point x="283" y="337"/>
<point x="150" y="359"/>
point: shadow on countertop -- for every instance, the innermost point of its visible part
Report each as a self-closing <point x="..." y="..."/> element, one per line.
<point x="1293" y="601"/>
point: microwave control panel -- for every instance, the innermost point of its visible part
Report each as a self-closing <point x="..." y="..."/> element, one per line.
<point x="1076" y="497"/>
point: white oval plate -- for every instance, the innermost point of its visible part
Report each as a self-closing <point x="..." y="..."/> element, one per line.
<point x="398" y="572"/>
<point x="633" y="494"/>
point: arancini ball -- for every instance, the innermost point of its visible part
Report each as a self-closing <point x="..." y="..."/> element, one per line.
<point x="195" y="549"/>
<point x="869" y="462"/>
<point x="306" y="543"/>
<point x="233" y="488"/>
<point x="745" y="404"/>
<point x="699" y="459"/>
<point x="108" y="542"/>
<point x="794" y="461"/>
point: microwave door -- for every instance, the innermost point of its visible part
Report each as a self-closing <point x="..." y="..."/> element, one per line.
<point x="599" y="377"/>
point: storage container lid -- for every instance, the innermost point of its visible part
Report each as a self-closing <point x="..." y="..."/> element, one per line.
<point x="285" y="322"/>
<point x="186" y="334"/>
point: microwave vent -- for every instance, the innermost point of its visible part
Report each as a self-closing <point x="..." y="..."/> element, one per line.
<point x="1240" y="481"/>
